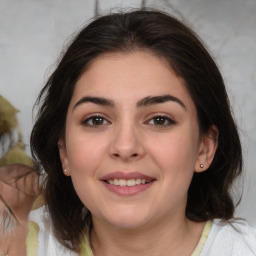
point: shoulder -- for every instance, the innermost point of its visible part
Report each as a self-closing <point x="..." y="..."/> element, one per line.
<point x="232" y="237"/>
<point x="40" y="239"/>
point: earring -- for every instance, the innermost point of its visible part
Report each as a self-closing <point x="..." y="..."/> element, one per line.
<point x="201" y="166"/>
<point x="64" y="170"/>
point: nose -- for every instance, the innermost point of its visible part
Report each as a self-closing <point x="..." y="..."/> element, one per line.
<point x="127" y="143"/>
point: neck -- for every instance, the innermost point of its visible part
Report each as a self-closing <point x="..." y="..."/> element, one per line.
<point x="177" y="237"/>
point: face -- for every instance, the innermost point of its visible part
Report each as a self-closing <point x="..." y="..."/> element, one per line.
<point x="132" y="140"/>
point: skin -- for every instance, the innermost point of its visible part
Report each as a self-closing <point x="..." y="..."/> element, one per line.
<point x="18" y="190"/>
<point x="129" y="138"/>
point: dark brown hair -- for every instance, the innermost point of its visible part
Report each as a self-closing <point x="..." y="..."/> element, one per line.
<point x="209" y="193"/>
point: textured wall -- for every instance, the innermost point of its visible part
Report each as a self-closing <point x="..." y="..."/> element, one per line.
<point x="32" y="33"/>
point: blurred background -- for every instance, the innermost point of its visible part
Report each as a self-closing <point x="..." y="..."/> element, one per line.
<point x="34" y="32"/>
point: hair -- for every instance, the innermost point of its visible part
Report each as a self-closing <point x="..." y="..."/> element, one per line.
<point x="209" y="194"/>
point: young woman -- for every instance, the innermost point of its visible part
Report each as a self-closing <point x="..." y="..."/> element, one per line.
<point x="136" y="136"/>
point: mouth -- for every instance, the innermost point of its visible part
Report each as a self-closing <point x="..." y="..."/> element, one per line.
<point x="127" y="184"/>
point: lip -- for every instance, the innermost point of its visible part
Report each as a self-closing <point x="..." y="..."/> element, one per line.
<point x="127" y="190"/>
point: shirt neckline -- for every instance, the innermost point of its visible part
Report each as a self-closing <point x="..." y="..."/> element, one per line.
<point x="203" y="238"/>
<point x="87" y="251"/>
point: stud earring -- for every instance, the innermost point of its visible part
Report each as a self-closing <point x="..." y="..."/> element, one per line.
<point x="64" y="170"/>
<point x="201" y="166"/>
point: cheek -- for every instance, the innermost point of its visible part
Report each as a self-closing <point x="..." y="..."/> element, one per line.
<point x="84" y="158"/>
<point x="85" y="152"/>
<point x="175" y="159"/>
<point x="175" y="155"/>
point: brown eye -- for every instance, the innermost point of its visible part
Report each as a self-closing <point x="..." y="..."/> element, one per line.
<point x="161" y="121"/>
<point x="95" y="121"/>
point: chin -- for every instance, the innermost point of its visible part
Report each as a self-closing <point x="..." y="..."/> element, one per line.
<point x="127" y="224"/>
<point x="128" y="220"/>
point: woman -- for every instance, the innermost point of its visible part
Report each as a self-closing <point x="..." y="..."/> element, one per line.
<point x="140" y="148"/>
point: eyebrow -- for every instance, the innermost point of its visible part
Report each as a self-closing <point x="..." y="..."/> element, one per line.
<point x="96" y="100"/>
<point x="147" y="101"/>
<point x="151" y="100"/>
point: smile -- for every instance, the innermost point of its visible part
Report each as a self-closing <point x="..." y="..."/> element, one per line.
<point x="129" y="183"/>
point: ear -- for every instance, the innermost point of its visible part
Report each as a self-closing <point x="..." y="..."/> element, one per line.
<point x="63" y="157"/>
<point x="207" y="149"/>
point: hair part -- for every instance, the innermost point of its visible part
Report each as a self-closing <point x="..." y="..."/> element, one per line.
<point x="209" y="194"/>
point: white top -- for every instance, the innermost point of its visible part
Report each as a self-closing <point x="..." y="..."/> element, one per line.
<point x="233" y="237"/>
<point x="219" y="238"/>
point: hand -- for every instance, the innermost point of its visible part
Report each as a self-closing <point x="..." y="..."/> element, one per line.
<point x="18" y="189"/>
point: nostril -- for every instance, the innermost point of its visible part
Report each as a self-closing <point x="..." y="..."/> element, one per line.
<point x="132" y="156"/>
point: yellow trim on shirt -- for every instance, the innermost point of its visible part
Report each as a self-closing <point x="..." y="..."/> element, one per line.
<point x="39" y="202"/>
<point x="205" y="233"/>
<point x="32" y="239"/>
<point x="85" y="246"/>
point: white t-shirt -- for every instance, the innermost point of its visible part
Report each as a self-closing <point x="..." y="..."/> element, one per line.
<point x="230" y="238"/>
<point x="219" y="238"/>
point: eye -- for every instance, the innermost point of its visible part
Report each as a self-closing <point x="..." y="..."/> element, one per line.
<point x="161" y="121"/>
<point x="95" y="121"/>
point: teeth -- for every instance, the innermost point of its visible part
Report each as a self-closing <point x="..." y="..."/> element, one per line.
<point x="129" y="183"/>
<point x="122" y="183"/>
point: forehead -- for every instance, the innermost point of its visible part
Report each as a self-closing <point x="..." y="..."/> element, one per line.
<point x="130" y="76"/>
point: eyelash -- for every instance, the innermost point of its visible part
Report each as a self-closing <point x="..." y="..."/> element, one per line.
<point x="167" y="121"/>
